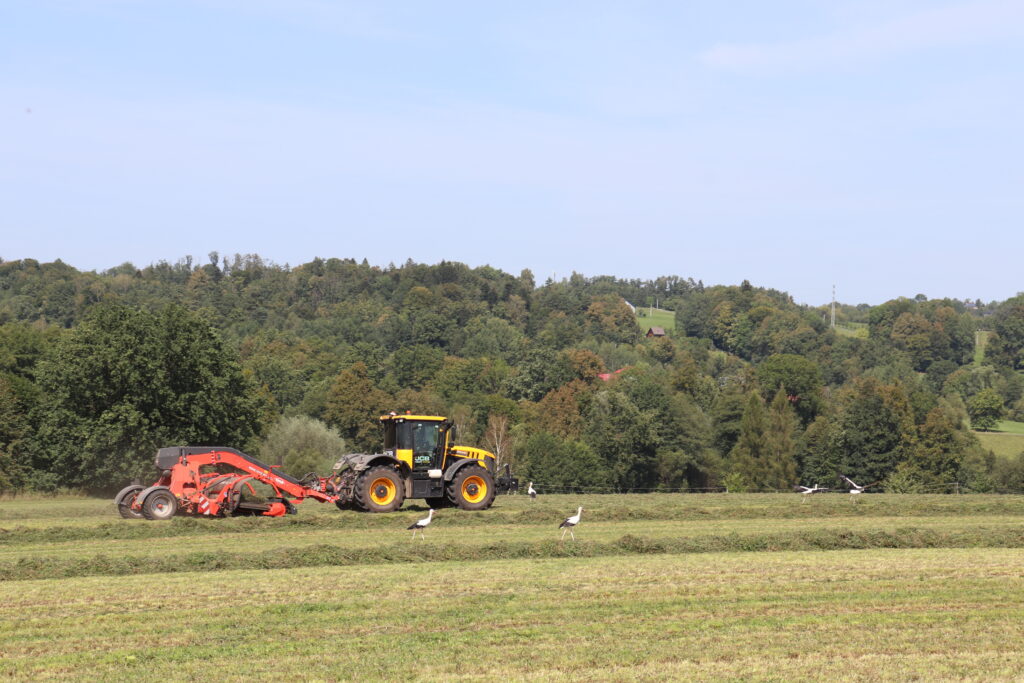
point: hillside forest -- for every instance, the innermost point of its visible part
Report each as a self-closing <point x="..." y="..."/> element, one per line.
<point x="747" y="390"/>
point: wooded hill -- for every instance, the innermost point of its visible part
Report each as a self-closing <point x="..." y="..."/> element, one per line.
<point x="750" y="391"/>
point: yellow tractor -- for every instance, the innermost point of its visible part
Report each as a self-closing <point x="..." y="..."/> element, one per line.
<point x="419" y="460"/>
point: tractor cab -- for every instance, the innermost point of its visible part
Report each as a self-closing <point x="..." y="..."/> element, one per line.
<point x="419" y="441"/>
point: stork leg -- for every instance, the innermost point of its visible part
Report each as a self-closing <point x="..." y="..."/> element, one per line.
<point x="563" y="533"/>
<point x="571" y="534"/>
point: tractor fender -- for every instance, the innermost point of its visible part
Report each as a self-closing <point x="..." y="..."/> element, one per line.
<point x="141" y="498"/>
<point x="452" y="470"/>
<point x="363" y="461"/>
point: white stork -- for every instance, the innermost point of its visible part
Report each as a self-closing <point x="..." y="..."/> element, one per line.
<point x="854" y="489"/>
<point x="419" y="526"/>
<point x="569" y="523"/>
<point x="808" y="491"/>
<point x="532" y="492"/>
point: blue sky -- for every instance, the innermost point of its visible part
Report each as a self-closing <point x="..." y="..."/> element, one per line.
<point x="876" y="145"/>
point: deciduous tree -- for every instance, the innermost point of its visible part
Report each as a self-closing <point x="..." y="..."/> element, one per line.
<point x="126" y="382"/>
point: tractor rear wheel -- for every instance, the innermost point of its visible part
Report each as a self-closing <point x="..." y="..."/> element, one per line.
<point x="125" y="499"/>
<point x="160" y="505"/>
<point x="380" y="489"/>
<point x="472" y="488"/>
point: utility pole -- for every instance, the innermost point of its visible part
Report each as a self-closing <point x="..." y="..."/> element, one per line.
<point x="833" y="307"/>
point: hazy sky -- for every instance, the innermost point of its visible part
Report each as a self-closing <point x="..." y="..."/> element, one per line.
<point x="874" y="144"/>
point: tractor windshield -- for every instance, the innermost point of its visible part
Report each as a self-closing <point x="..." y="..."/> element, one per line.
<point x="421" y="438"/>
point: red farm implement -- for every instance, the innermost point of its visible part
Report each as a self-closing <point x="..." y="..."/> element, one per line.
<point x="210" y="482"/>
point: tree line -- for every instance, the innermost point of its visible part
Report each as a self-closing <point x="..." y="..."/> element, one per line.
<point x="294" y="364"/>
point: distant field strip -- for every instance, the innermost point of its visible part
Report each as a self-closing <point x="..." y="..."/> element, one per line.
<point x="659" y="317"/>
<point x="845" y="615"/>
<point x="1003" y="444"/>
<point x="1010" y="427"/>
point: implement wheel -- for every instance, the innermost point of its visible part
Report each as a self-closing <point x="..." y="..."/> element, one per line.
<point x="160" y="505"/>
<point x="125" y="499"/>
<point x="472" y="488"/>
<point x="380" y="489"/>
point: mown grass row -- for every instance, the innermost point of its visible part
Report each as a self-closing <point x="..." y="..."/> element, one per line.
<point x="849" y="615"/>
<point x="519" y="510"/>
<point x="441" y="532"/>
<point x="397" y="553"/>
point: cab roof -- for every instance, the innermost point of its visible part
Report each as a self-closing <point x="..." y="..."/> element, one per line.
<point x="431" y="418"/>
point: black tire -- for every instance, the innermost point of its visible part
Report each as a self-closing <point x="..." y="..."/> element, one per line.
<point x="438" y="503"/>
<point x="124" y="500"/>
<point x="380" y="489"/>
<point x="472" y="488"/>
<point x="160" y="505"/>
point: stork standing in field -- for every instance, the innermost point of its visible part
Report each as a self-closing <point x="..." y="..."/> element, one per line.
<point x="532" y="492"/>
<point x="420" y="525"/>
<point x="854" y="489"/>
<point x="807" y="491"/>
<point x="569" y="523"/>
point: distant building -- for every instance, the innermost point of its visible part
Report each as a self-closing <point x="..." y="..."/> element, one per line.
<point x="656" y="332"/>
<point x="605" y="376"/>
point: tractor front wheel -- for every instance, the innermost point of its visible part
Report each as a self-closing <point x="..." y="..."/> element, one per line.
<point x="160" y="505"/>
<point x="472" y="488"/>
<point x="125" y="499"/>
<point x="380" y="489"/>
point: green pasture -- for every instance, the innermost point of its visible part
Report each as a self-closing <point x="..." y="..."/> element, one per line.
<point x="1010" y="427"/>
<point x="656" y="587"/>
<point x="858" y="330"/>
<point x="647" y="318"/>
<point x="980" y="342"/>
<point x="1004" y="443"/>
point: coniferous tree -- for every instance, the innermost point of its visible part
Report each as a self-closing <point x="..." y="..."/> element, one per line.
<point x="780" y="467"/>
<point x="751" y="449"/>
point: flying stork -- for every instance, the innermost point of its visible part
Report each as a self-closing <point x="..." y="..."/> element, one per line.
<point x="854" y="489"/>
<point x="418" y="526"/>
<point x="807" y="491"/>
<point x="569" y="523"/>
<point x="532" y="492"/>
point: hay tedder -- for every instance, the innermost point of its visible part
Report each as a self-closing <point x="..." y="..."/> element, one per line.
<point x="210" y="481"/>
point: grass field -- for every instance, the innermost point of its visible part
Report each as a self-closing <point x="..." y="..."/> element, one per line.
<point x="657" y="587"/>
<point x="647" y="318"/>
<point x="1010" y="427"/>
<point x="980" y="342"/>
<point x="858" y="330"/>
<point x="1007" y="442"/>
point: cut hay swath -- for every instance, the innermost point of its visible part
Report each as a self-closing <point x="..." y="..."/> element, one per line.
<point x="657" y="587"/>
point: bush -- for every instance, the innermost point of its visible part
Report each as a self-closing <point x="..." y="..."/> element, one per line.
<point x="1008" y="474"/>
<point x="302" y="444"/>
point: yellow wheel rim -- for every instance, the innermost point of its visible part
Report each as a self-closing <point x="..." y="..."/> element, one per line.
<point x="474" y="489"/>
<point x="382" y="491"/>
